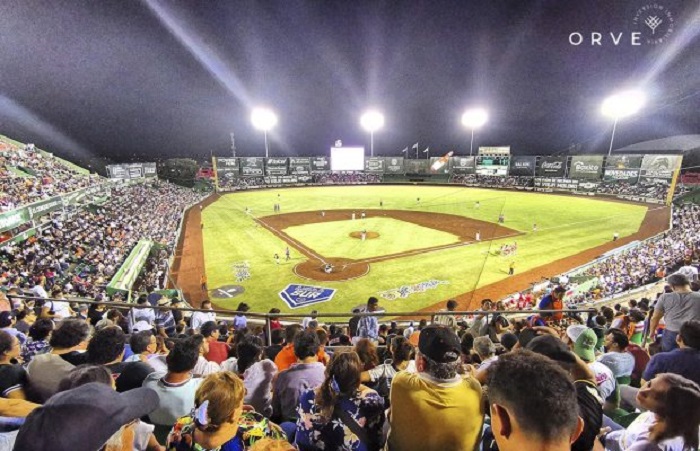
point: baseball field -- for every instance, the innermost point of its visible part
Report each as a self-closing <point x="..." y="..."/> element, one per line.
<point x="411" y="246"/>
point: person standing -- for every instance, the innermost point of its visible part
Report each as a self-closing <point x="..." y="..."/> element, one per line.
<point x="203" y="282"/>
<point x="511" y="268"/>
<point x="287" y="254"/>
<point x="478" y="235"/>
<point x="675" y="308"/>
<point x="368" y="326"/>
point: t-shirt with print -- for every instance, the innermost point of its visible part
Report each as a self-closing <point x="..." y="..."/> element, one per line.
<point x="12" y="377"/>
<point x="604" y="379"/>
<point x="129" y="375"/>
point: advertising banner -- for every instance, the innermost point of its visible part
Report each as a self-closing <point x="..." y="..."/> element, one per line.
<point x="462" y="165"/>
<point x="586" y="167"/>
<point x="421" y="167"/>
<point x="251" y="166"/>
<point x="43" y="207"/>
<point x="551" y="167"/>
<point x="14" y="218"/>
<point x="522" y="165"/>
<point x="150" y="170"/>
<point x="393" y="165"/>
<point x="276" y="166"/>
<point x="623" y="161"/>
<point x="621" y="175"/>
<point x="444" y="166"/>
<point x="281" y="180"/>
<point x="555" y="184"/>
<point x="660" y="166"/>
<point x="299" y="166"/>
<point x="492" y="165"/>
<point x="587" y="186"/>
<point x="320" y="164"/>
<point x="374" y="164"/>
<point x="227" y="168"/>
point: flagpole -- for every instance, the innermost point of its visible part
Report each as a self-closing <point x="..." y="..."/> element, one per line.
<point x="417" y="150"/>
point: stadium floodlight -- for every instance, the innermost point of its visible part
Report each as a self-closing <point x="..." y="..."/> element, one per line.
<point x="264" y="119"/>
<point x="620" y="105"/>
<point x="474" y="118"/>
<point x="372" y="121"/>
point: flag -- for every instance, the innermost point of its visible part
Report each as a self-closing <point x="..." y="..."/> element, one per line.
<point x="426" y="150"/>
<point x="405" y="150"/>
<point x="415" y="146"/>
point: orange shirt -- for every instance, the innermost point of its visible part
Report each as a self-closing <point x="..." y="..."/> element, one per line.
<point x="286" y="358"/>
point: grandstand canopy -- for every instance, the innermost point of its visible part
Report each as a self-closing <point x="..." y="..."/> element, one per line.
<point x="672" y="144"/>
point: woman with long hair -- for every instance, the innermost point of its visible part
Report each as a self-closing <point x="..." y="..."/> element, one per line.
<point x="219" y="421"/>
<point x="671" y="420"/>
<point x="367" y="352"/>
<point x="381" y="376"/>
<point x="341" y="414"/>
<point x="13" y="377"/>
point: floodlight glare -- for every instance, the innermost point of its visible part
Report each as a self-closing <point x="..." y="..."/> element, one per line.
<point x="474" y="118"/>
<point x="372" y="121"/>
<point x="623" y="104"/>
<point x="263" y="119"/>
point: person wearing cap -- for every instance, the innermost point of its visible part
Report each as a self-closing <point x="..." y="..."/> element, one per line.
<point x="164" y="320"/>
<point x="368" y="326"/>
<point x="435" y="408"/>
<point x="587" y="396"/>
<point x="675" y="308"/>
<point x="532" y="404"/>
<point x="582" y="341"/>
<point x="84" y="418"/>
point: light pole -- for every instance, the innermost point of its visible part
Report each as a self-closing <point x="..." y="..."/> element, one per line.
<point x="264" y="119"/>
<point x="474" y="118"/>
<point x="621" y="105"/>
<point x="372" y="121"/>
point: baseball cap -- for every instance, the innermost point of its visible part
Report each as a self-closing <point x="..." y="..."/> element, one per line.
<point x="552" y="347"/>
<point x="84" y="418"/>
<point x="584" y="339"/>
<point x="439" y="344"/>
<point x="140" y="326"/>
<point x="163" y="301"/>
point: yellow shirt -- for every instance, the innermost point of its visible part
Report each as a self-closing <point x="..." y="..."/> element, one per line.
<point x="434" y="415"/>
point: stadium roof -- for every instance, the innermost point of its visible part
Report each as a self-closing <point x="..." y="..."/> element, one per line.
<point x="672" y="144"/>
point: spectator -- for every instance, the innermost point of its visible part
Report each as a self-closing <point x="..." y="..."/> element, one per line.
<point x="7" y="321"/>
<point x="218" y="351"/>
<point x="143" y="345"/>
<point x="96" y="311"/>
<point x="368" y="326"/>
<point x="448" y="320"/>
<point x="582" y="341"/>
<point x="276" y="338"/>
<point x="106" y="347"/>
<point x="353" y="323"/>
<point x="286" y="357"/>
<point x="240" y="321"/>
<point x="13" y="378"/>
<point x="275" y="323"/>
<point x="38" y="342"/>
<point x="83" y="418"/>
<point x="176" y="389"/>
<point x="257" y="374"/>
<point x="508" y="341"/>
<point x="532" y="404"/>
<point x="367" y="351"/>
<point x="46" y="371"/>
<point x="304" y="375"/>
<point x="219" y="420"/>
<point x="341" y="413"/>
<point x="553" y="301"/>
<point x="204" y="367"/>
<point x="675" y="308"/>
<point x="671" y="421"/>
<point x="24" y="318"/>
<point x="85" y="374"/>
<point x="435" y="409"/>
<point x="486" y="350"/>
<point x="164" y="321"/>
<point x="620" y="362"/>
<point x="199" y="318"/>
<point x="590" y="404"/>
<point x="381" y="376"/>
<point x="480" y="326"/>
<point x="312" y="317"/>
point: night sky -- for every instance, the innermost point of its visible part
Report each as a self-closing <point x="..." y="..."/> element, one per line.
<point x="136" y="81"/>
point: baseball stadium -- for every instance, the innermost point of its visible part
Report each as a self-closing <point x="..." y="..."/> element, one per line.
<point x="349" y="226"/>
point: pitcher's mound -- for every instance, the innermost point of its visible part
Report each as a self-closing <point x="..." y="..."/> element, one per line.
<point x="370" y="235"/>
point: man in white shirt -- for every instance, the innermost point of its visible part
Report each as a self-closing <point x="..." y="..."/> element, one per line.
<point x="199" y="318"/>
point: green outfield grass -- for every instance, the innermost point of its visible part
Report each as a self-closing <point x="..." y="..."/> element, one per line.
<point x="566" y="226"/>
<point x="331" y="239"/>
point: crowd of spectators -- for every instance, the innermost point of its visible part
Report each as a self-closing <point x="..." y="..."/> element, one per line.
<point x="151" y="378"/>
<point x="347" y="178"/>
<point x="657" y="191"/>
<point x="493" y="181"/>
<point x="27" y="176"/>
<point x="79" y="255"/>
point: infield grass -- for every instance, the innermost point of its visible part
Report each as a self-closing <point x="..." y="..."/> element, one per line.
<point x="566" y="226"/>
<point x="332" y="239"/>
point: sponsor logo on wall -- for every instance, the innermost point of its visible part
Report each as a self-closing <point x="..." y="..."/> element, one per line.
<point x="405" y="291"/>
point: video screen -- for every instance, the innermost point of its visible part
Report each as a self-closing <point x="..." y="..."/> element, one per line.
<point x="347" y="158"/>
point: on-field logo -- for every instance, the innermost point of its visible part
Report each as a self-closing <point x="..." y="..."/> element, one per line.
<point x="295" y="295"/>
<point x="405" y="291"/>
<point x="241" y="271"/>
<point x="227" y="291"/>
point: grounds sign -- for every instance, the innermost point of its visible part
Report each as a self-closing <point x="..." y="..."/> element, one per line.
<point x="296" y="295"/>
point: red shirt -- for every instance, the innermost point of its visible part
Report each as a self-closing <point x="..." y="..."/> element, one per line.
<point x="218" y="352"/>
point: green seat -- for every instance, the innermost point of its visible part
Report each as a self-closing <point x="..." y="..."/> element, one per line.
<point x="626" y="420"/>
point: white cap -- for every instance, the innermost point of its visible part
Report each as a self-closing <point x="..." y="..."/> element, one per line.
<point x="573" y="332"/>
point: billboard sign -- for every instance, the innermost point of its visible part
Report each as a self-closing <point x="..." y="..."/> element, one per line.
<point x="589" y="167"/>
<point x="320" y="164"/>
<point x="522" y="165"/>
<point x="621" y="175"/>
<point x="393" y="165"/>
<point x="299" y="166"/>
<point x="462" y="165"/>
<point x="374" y="164"/>
<point x="252" y="166"/>
<point x="420" y="167"/>
<point x="660" y="166"/>
<point x="551" y="167"/>
<point x="624" y="162"/>
<point x="276" y="166"/>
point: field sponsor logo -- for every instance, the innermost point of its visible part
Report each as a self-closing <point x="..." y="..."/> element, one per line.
<point x="296" y="295"/>
<point x="241" y="271"/>
<point x="227" y="291"/>
<point x="405" y="291"/>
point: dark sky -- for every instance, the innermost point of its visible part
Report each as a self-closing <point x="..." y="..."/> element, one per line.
<point x="132" y="80"/>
